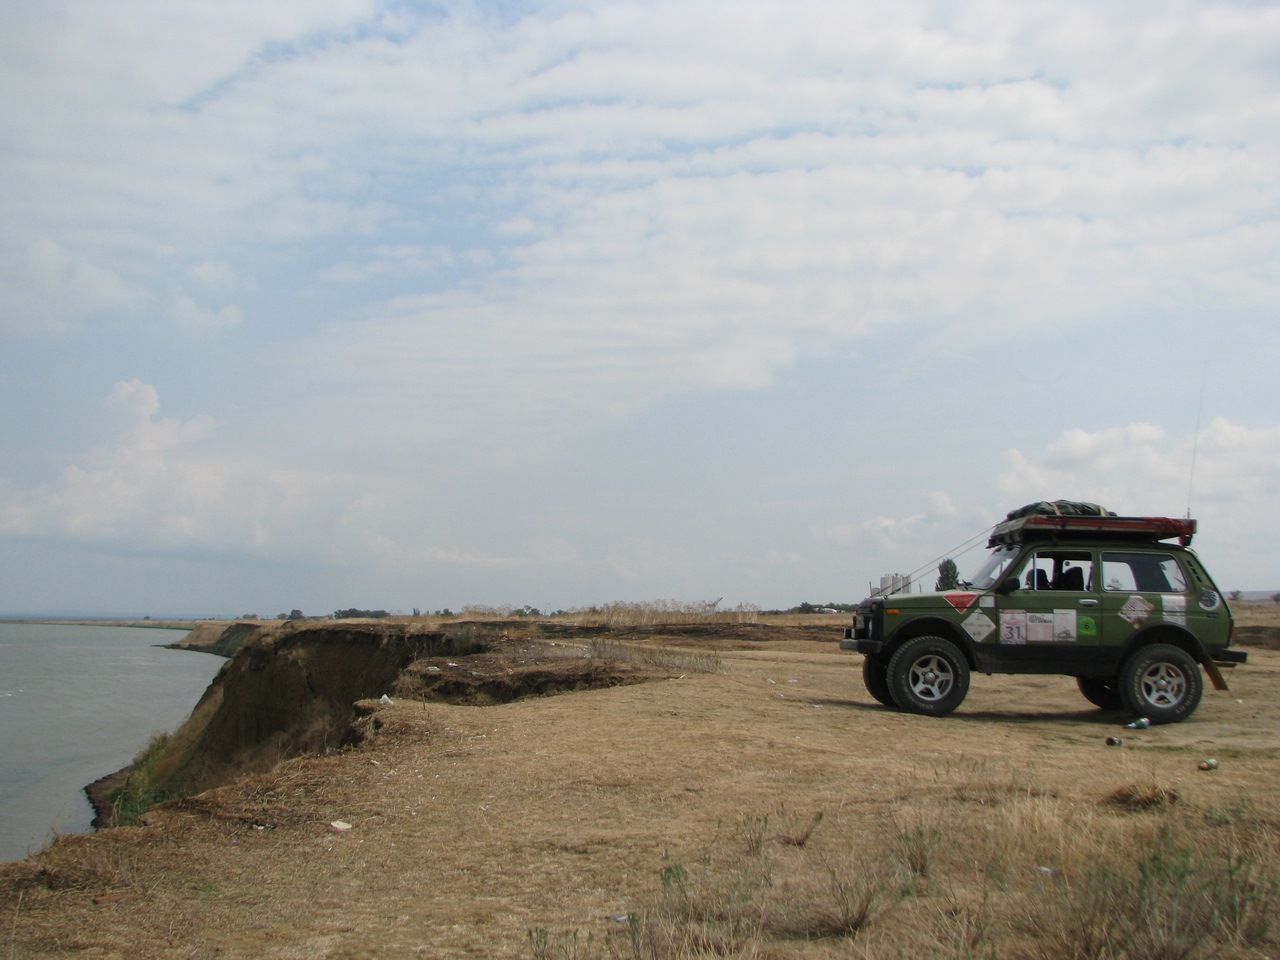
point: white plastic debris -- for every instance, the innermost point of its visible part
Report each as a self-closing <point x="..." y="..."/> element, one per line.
<point x="339" y="826"/>
<point x="386" y="700"/>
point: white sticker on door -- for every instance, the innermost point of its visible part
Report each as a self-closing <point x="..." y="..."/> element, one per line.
<point x="1013" y="626"/>
<point x="1064" y="626"/>
<point x="1039" y="628"/>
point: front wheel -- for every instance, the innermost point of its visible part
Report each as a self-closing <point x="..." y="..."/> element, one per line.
<point x="875" y="677"/>
<point x="1162" y="683"/>
<point x="928" y="675"/>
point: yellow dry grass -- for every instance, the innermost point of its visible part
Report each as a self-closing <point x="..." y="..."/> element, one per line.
<point x="1256" y="613"/>
<point x="769" y="809"/>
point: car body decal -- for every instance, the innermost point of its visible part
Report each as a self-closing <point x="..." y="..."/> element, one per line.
<point x="961" y="601"/>
<point x="979" y="626"/>
<point x="1175" y="608"/>
<point x="1136" y="609"/>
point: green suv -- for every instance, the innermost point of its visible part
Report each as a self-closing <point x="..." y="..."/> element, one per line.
<point x="1120" y="603"/>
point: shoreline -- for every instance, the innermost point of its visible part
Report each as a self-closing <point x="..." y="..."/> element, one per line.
<point x="110" y="622"/>
<point x="100" y="792"/>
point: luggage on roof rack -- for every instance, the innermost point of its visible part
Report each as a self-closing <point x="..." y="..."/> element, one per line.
<point x="1060" y="508"/>
<point x="1062" y="526"/>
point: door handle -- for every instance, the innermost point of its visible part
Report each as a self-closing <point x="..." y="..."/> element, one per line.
<point x="1088" y="603"/>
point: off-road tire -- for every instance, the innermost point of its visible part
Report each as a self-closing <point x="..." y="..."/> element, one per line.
<point x="1102" y="692"/>
<point x="875" y="677"/>
<point x="928" y="675"/>
<point x="1162" y="683"/>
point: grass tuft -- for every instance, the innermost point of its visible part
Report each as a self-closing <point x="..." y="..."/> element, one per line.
<point x="1138" y="797"/>
<point x="140" y="793"/>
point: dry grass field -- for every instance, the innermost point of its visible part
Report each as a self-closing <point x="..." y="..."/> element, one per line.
<point x="751" y="800"/>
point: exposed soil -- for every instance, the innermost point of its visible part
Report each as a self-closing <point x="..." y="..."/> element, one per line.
<point x="515" y="671"/>
<point x="482" y="811"/>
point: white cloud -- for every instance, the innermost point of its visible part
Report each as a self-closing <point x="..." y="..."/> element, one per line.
<point x="195" y="319"/>
<point x="133" y="486"/>
<point x="44" y="288"/>
<point x="213" y="273"/>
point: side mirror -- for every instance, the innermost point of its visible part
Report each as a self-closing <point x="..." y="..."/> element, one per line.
<point x="1007" y="586"/>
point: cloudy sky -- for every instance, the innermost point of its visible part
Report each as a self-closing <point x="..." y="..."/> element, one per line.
<point x="380" y="303"/>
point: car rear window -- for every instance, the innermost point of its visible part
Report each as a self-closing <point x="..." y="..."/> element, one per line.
<point x="1142" y="573"/>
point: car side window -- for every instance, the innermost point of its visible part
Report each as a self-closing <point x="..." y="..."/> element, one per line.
<point x="1054" y="569"/>
<point x="1142" y="573"/>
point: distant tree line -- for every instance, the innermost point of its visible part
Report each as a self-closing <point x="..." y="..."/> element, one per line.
<point x="353" y="613"/>
<point x="808" y="607"/>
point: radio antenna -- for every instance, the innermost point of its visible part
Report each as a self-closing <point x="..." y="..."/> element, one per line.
<point x="1195" y="438"/>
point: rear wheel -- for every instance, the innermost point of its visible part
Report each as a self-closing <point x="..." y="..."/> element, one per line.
<point x="1101" y="692"/>
<point x="875" y="676"/>
<point x="928" y="675"/>
<point x="1162" y="683"/>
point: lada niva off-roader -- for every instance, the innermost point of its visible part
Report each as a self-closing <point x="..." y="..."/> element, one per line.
<point x="1066" y="589"/>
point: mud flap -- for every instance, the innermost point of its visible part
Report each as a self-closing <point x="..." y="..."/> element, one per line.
<point x="1215" y="675"/>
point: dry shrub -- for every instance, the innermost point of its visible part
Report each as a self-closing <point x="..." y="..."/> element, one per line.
<point x="1175" y="892"/>
<point x="1174" y="885"/>
<point x="77" y="862"/>
<point x="748" y="894"/>
<point x="837" y="896"/>
<point x="1143" y="796"/>
<point x="796" y="830"/>
<point x="915" y="843"/>
<point x="658" y="612"/>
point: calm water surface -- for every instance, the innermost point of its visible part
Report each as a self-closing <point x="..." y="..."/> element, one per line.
<point x="77" y="703"/>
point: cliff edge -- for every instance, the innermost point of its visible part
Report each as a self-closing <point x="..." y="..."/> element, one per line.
<point x="288" y="688"/>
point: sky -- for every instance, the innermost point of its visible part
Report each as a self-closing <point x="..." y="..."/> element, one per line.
<point x="321" y="304"/>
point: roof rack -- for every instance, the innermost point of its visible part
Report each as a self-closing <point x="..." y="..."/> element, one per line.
<point x="1049" y="527"/>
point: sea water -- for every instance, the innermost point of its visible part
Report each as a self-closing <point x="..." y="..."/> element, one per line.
<point x="78" y="703"/>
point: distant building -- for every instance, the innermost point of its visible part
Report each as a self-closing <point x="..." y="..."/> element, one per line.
<point x="892" y="583"/>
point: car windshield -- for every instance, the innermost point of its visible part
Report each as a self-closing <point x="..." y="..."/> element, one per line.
<point x="992" y="569"/>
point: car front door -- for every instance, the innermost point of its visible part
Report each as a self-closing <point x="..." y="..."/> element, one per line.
<point x="1052" y="620"/>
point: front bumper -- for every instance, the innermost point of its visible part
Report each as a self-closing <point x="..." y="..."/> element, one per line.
<point x="869" y="647"/>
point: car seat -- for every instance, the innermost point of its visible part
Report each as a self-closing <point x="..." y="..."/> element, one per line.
<point x="1070" y="579"/>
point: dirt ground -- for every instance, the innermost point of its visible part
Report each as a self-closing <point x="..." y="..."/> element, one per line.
<point x="534" y="827"/>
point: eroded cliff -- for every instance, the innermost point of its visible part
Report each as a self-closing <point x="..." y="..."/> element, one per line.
<point x="290" y="688"/>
